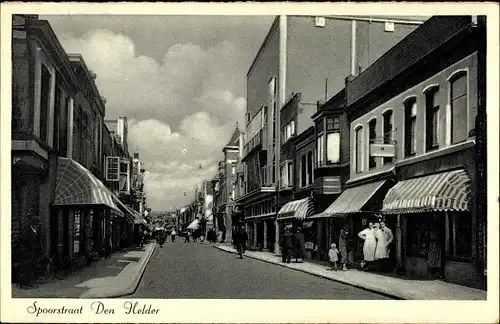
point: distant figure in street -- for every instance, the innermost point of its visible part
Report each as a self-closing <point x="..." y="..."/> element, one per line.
<point x="333" y="255"/>
<point x="343" y="247"/>
<point x="173" y="234"/>
<point x="368" y="235"/>
<point x="286" y="244"/>
<point x="240" y="240"/>
<point x="298" y="242"/>
<point x="186" y="237"/>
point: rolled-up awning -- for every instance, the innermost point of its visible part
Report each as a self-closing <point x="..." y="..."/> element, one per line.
<point x="75" y="185"/>
<point x="298" y="209"/>
<point x="194" y="225"/>
<point x="351" y="200"/>
<point x="438" y="192"/>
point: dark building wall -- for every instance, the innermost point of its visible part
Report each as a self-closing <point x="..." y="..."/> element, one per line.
<point x="265" y="67"/>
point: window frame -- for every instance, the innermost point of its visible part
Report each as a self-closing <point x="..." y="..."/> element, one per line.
<point x="432" y="142"/>
<point x="410" y="121"/>
<point x="453" y="218"/>
<point x="372" y="138"/>
<point x="358" y="148"/>
<point x="388" y="139"/>
<point x="117" y="161"/>
<point x="451" y="80"/>
<point x="286" y="172"/>
<point x="323" y="129"/>
<point x="77" y="231"/>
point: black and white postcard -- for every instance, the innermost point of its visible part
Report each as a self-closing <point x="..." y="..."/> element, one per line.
<point x="249" y="162"/>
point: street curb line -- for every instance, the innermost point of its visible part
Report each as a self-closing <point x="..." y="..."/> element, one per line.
<point x="133" y="287"/>
<point x="134" y="283"/>
<point x="319" y="275"/>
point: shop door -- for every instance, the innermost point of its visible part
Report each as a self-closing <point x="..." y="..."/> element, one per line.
<point x="271" y="234"/>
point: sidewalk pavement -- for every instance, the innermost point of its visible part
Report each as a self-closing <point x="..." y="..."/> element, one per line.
<point x="116" y="276"/>
<point x="390" y="286"/>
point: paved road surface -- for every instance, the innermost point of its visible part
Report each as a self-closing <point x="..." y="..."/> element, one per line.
<point x="194" y="270"/>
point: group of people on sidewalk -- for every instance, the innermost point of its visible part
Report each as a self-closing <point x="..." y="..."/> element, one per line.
<point x="376" y="247"/>
<point x="292" y="244"/>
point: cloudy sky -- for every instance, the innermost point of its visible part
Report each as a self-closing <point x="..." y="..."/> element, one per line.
<point x="180" y="80"/>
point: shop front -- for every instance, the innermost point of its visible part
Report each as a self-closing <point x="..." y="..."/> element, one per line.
<point x="295" y="213"/>
<point x="356" y="207"/>
<point x="434" y="213"/>
<point x="81" y="206"/>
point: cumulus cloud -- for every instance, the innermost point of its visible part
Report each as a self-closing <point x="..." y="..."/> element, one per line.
<point x="181" y="111"/>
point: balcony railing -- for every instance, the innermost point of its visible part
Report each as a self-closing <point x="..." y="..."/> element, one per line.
<point x="256" y="142"/>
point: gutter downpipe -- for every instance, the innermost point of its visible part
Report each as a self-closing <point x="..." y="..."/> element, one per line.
<point x="281" y="100"/>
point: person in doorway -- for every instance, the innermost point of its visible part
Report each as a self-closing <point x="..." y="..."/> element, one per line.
<point x="286" y="244"/>
<point x="333" y="256"/>
<point x="389" y="238"/>
<point x="434" y="261"/>
<point x="123" y="241"/>
<point x="343" y="246"/>
<point x="31" y="251"/>
<point x="173" y="234"/>
<point x="140" y="235"/>
<point x="369" y="245"/>
<point x="298" y="242"/>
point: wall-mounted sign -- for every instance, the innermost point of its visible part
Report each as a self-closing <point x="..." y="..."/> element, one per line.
<point x="382" y="150"/>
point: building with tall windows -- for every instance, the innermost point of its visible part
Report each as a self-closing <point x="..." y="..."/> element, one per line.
<point x="311" y="56"/>
<point x="413" y="150"/>
<point x="59" y="193"/>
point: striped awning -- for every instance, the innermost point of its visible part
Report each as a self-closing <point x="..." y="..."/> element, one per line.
<point x="127" y="211"/>
<point x="298" y="209"/>
<point x="438" y="192"/>
<point x="351" y="200"/>
<point x="75" y="185"/>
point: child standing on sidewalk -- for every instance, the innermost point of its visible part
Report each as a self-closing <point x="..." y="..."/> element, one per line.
<point x="333" y="255"/>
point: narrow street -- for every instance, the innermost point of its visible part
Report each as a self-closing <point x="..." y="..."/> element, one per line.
<point x="194" y="270"/>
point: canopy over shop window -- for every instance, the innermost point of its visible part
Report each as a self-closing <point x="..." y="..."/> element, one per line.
<point x="448" y="191"/>
<point x="194" y="225"/>
<point x="298" y="209"/>
<point x="351" y="200"/>
<point x="75" y="185"/>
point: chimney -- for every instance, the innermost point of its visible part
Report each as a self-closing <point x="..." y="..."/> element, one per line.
<point x="349" y="78"/>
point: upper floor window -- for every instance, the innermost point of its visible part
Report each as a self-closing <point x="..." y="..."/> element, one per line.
<point x="264" y="116"/>
<point x="372" y="133"/>
<point x="45" y="91"/>
<point x="328" y="141"/>
<point x="233" y="168"/>
<point x="458" y="104"/>
<point x="388" y="133"/>
<point x="410" y="108"/>
<point x="358" y="147"/>
<point x="286" y="172"/>
<point x="332" y="140"/>
<point x="431" y="119"/>
<point x="288" y="131"/>
<point x="310" y="161"/>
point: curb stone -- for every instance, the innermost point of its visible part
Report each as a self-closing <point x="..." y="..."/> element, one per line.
<point x="377" y="291"/>
<point x="107" y="291"/>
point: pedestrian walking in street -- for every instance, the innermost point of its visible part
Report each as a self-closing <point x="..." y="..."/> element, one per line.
<point x="240" y="240"/>
<point x="368" y="235"/>
<point x="286" y="244"/>
<point x="343" y="247"/>
<point x="186" y="237"/>
<point x="173" y="234"/>
<point x="333" y="255"/>
<point x="298" y="242"/>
